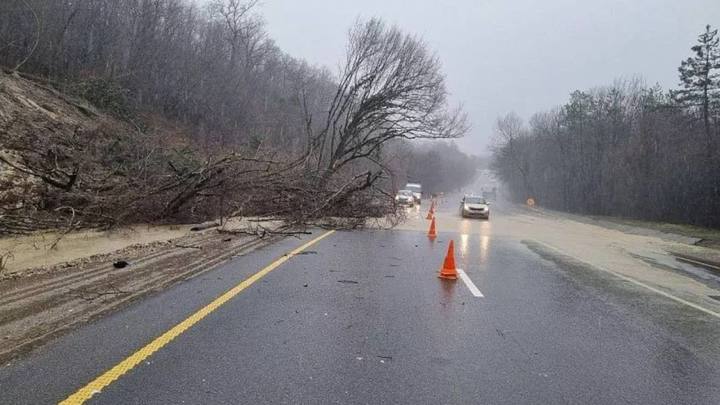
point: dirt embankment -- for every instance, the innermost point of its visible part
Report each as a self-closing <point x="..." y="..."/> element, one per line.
<point x="51" y="145"/>
<point x="65" y="164"/>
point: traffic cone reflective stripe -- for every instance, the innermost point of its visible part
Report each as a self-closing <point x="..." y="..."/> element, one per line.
<point x="448" y="270"/>
<point x="432" y="234"/>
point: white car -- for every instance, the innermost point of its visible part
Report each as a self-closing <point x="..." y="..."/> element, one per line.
<point x="474" y="206"/>
<point x="416" y="189"/>
<point x="405" y="197"/>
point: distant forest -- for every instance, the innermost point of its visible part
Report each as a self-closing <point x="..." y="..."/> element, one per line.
<point x="628" y="149"/>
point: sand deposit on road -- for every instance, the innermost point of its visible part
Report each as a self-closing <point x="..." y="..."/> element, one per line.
<point x="642" y="255"/>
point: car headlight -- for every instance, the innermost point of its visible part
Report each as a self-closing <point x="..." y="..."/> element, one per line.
<point x="466" y="208"/>
<point x="397" y="198"/>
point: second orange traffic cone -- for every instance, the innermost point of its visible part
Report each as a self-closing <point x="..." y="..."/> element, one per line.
<point x="432" y="234"/>
<point x="448" y="270"/>
<point x="431" y="213"/>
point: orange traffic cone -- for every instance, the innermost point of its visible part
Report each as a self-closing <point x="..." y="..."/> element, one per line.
<point x="448" y="270"/>
<point x="431" y="213"/>
<point x="431" y="233"/>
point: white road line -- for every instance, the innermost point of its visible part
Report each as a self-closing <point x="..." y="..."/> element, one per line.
<point x="639" y="283"/>
<point x="470" y="285"/>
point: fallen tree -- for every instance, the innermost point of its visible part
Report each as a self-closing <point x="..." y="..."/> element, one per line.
<point x="65" y="164"/>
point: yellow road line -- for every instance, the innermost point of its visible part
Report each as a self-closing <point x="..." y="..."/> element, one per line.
<point x="136" y="358"/>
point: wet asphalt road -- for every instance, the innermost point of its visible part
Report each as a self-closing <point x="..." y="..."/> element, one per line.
<point x="361" y="317"/>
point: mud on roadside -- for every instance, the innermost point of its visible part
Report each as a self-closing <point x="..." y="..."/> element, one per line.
<point x="38" y="304"/>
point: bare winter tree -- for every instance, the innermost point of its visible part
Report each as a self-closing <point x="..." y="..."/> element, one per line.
<point x="244" y="32"/>
<point x="510" y="143"/>
<point x="390" y="87"/>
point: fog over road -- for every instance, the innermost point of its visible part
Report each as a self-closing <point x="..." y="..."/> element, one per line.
<point x="570" y="312"/>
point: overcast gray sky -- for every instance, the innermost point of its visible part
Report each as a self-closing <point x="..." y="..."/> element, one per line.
<point x="511" y="55"/>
